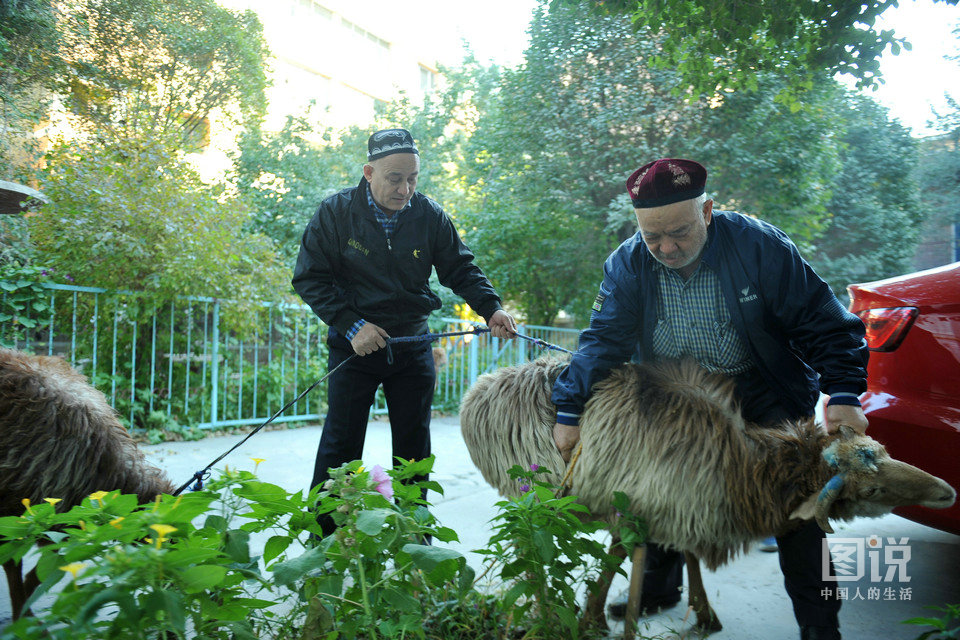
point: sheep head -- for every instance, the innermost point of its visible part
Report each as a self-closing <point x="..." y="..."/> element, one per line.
<point x="869" y="483"/>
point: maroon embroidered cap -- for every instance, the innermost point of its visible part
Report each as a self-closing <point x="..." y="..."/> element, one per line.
<point x="666" y="181"/>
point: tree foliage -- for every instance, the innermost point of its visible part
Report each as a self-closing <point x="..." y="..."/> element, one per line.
<point x="874" y="205"/>
<point x="552" y="152"/>
<point x="285" y="175"/>
<point x="160" y="67"/>
<point x="766" y="160"/>
<point x="135" y="216"/>
<point x="29" y="41"/>
<point x="718" y="45"/>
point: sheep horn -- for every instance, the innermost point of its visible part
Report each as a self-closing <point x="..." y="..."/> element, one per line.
<point x="828" y="495"/>
<point x="846" y="431"/>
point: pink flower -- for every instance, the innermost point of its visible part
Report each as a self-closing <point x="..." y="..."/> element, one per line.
<point x="384" y="483"/>
<point x="534" y="467"/>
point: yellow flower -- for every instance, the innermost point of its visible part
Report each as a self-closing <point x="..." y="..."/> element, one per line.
<point x="360" y="470"/>
<point x="116" y="522"/>
<point x="257" y="462"/>
<point x="74" y="568"/>
<point x="26" y="503"/>
<point x="98" y="496"/>
<point x="52" y="501"/>
<point x="162" y="531"/>
<point x="156" y="503"/>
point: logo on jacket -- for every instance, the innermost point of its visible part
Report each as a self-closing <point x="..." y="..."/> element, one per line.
<point x="746" y="296"/>
<point x="598" y="303"/>
<point x="359" y="247"/>
<point x="416" y="253"/>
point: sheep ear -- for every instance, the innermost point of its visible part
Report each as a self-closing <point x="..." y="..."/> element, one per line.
<point x="807" y="509"/>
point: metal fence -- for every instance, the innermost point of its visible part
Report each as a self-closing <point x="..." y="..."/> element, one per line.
<point x="180" y="364"/>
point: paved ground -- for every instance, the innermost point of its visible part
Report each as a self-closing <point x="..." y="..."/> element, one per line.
<point x="747" y="594"/>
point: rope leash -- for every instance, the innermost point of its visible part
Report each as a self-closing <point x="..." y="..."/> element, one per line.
<point x="199" y="477"/>
<point x="203" y="474"/>
<point x="573" y="463"/>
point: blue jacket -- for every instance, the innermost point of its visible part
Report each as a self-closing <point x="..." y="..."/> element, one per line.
<point x="800" y="338"/>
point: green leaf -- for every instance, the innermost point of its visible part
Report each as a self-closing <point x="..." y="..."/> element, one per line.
<point x="546" y="549"/>
<point x="400" y="600"/>
<point x="202" y="577"/>
<point x="289" y="572"/>
<point x="237" y="545"/>
<point x="371" y="521"/>
<point x="426" y="557"/>
<point x="275" y="546"/>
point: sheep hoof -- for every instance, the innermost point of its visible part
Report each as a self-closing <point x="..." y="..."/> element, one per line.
<point x="708" y="623"/>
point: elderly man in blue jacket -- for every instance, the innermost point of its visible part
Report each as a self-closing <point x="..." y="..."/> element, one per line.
<point x="733" y="293"/>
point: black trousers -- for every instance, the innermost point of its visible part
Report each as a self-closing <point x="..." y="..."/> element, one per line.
<point x="408" y="383"/>
<point x="800" y="550"/>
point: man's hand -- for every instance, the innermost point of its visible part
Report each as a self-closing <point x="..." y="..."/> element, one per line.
<point x="369" y="339"/>
<point x="501" y="325"/>
<point x="566" y="438"/>
<point x="850" y="415"/>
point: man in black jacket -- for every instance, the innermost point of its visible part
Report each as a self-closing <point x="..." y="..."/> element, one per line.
<point x="364" y="265"/>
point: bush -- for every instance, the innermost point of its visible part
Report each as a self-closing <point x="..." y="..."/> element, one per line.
<point x="183" y="566"/>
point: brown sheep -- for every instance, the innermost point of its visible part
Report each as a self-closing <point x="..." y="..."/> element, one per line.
<point x="672" y="438"/>
<point x="59" y="438"/>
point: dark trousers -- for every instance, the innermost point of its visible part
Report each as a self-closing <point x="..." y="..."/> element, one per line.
<point x="800" y="550"/>
<point x="408" y="383"/>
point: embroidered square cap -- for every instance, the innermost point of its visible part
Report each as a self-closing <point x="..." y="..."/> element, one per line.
<point x="387" y="141"/>
<point x="666" y="181"/>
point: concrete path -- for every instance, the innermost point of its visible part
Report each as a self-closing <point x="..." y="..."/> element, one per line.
<point x="747" y="594"/>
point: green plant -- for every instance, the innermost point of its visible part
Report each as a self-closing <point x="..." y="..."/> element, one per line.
<point x="22" y="301"/>
<point x="944" y="627"/>
<point x="182" y="566"/>
<point x="376" y="572"/>
<point x="542" y="542"/>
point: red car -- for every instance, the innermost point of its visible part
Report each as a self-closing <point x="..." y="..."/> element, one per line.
<point x="913" y="379"/>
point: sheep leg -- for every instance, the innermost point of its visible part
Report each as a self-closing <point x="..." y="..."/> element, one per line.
<point x="707" y="620"/>
<point x="636" y="591"/>
<point x="597" y="593"/>
<point x="18" y="595"/>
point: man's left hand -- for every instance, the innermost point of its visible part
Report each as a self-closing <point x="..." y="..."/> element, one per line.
<point x="501" y="325"/>
<point x="850" y="415"/>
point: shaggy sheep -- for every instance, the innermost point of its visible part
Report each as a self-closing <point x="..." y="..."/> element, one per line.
<point x="59" y="438"/>
<point x="672" y="438"/>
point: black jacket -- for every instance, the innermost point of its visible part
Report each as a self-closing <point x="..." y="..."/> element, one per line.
<point x="346" y="270"/>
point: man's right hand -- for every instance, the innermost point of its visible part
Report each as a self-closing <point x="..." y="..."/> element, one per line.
<point x="369" y="338"/>
<point x="566" y="438"/>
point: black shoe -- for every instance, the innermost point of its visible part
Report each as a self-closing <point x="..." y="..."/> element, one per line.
<point x="617" y="609"/>
<point x="819" y="633"/>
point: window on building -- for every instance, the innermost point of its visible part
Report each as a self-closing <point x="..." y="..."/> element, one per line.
<point x="428" y="80"/>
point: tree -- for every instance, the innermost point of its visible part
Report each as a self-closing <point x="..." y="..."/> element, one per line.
<point x="28" y="62"/>
<point x="285" y="175"/>
<point x="551" y="153"/>
<point x="134" y="216"/>
<point x="874" y="204"/>
<point x="719" y="45"/>
<point x="145" y="68"/>
<point x="766" y="160"/>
